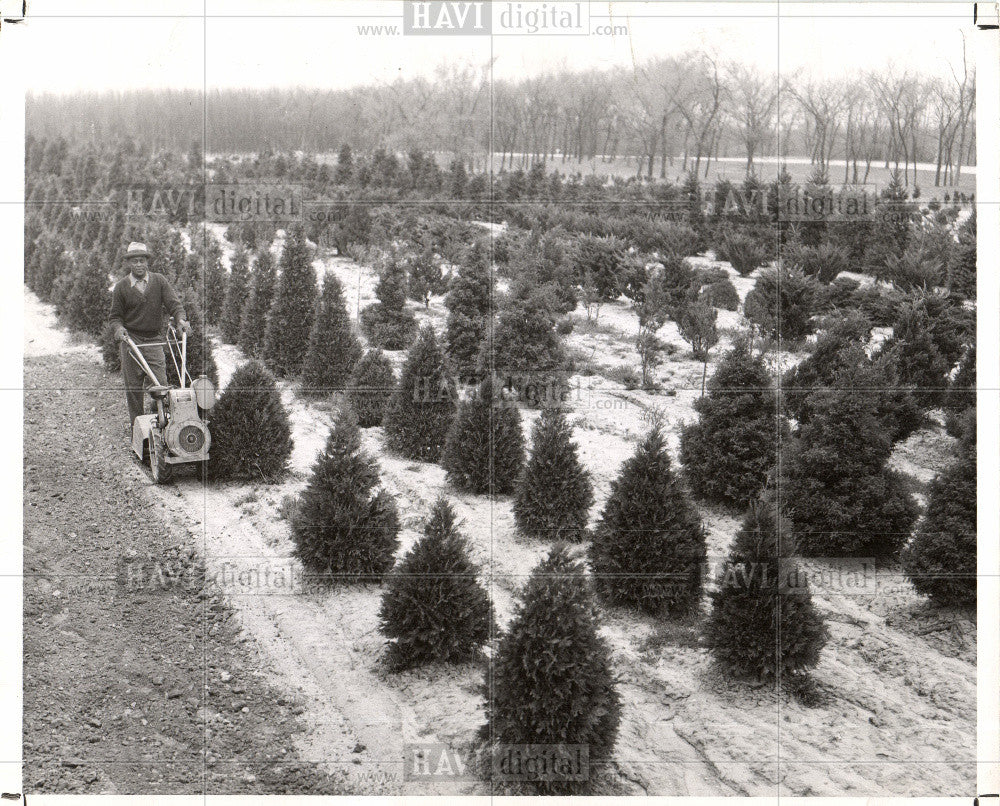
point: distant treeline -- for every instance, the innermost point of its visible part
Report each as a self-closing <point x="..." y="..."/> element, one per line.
<point x="681" y="112"/>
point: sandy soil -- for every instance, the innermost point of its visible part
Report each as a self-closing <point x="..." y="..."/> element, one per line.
<point x="897" y="708"/>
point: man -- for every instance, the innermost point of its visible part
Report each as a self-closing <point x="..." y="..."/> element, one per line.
<point x="137" y="305"/>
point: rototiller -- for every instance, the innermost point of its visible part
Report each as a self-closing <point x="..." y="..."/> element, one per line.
<point x="176" y="432"/>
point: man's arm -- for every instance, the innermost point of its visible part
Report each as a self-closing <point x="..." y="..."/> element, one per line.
<point x="117" y="316"/>
<point x="172" y="302"/>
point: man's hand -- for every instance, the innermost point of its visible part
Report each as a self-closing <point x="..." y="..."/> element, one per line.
<point x="120" y="333"/>
<point x="185" y="326"/>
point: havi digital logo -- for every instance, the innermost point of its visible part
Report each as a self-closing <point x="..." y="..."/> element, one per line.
<point x="446" y="17"/>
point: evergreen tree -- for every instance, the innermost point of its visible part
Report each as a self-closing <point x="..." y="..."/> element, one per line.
<point x="484" y="451"/>
<point x="553" y="495"/>
<point x="434" y="608"/>
<point x="90" y="298"/>
<point x="253" y="318"/>
<point x="649" y="546"/>
<point x="755" y="621"/>
<point x="891" y="220"/>
<point x="333" y="347"/>
<point x="286" y="335"/>
<point x="388" y="323"/>
<point x="251" y="436"/>
<point x="468" y="302"/>
<point x="345" y="525"/>
<point x="728" y="454"/>
<point x="236" y="295"/>
<point x="551" y="680"/>
<point x="928" y="337"/>
<point x="819" y="369"/>
<point x="961" y="396"/>
<point x="420" y="410"/>
<point x="525" y="348"/>
<point x="200" y="357"/>
<point x="940" y="561"/>
<point x="212" y="278"/>
<point x="781" y="304"/>
<point x="835" y="488"/>
<point x="345" y="165"/>
<point x="372" y="385"/>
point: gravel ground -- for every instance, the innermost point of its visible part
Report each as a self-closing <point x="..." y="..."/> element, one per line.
<point x="130" y="685"/>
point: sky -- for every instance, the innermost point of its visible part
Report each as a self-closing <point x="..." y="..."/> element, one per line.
<point x="108" y="44"/>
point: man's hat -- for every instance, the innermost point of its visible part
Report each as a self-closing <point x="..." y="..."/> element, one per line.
<point x="136" y="249"/>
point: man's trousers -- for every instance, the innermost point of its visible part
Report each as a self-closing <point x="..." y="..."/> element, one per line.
<point x="136" y="380"/>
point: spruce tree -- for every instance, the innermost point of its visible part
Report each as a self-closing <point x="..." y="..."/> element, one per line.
<point x="649" y="546"/>
<point x="236" y="296"/>
<point x="286" y="335"/>
<point x="200" y="356"/>
<point x="940" y="561"/>
<point x="468" y="303"/>
<point x="551" y="681"/>
<point x="434" y="608"/>
<point x="553" y="495"/>
<point x="253" y="318"/>
<point x="89" y="299"/>
<point x="333" y="347"/>
<point x="762" y="611"/>
<point x="838" y="493"/>
<point x="372" y="385"/>
<point x="729" y="452"/>
<point x="345" y="524"/>
<point x="484" y="451"/>
<point x="251" y="435"/>
<point x="420" y="410"/>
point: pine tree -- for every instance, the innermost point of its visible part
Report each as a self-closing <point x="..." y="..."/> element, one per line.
<point x="756" y="620"/>
<point x="649" y="546"/>
<point x="286" y="335"/>
<point x="345" y="525"/>
<point x="253" y="318"/>
<point x="212" y="275"/>
<point x="236" y="295"/>
<point x="729" y="452"/>
<point x="372" y="385"/>
<point x="940" y="561"/>
<point x="434" y="608"/>
<point x="553" y="495"/>
<point x="468" y="303"/>
<point x="388" y="324"/>
<point x="551" y="681"/>
<point x="333" y="347"/>
<point x="251" y="435"/>
<point x="836" y="489"/>
<point x="484" y="451"/>
<point x="88" y="302"/>
<point x="420" y="410"/>
<point x="200" y="356"/>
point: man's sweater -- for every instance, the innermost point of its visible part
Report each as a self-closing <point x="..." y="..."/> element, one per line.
<point x="142" y="313"/>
